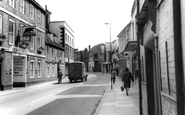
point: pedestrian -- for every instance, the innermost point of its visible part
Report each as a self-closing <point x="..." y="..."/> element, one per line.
<point x="60" y="74"/>
<point x="113" y="76"/>
<point x="127" y="77"/>
<point x="121" y="73"/>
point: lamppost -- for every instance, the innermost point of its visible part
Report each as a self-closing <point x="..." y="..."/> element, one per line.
<point x="110" y="51"/>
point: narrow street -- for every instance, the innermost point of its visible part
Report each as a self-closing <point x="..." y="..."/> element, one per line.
<point x="80" y="98"/>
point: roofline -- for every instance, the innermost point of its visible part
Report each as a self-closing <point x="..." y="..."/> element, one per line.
<point x="124" y="29"/>
<point x="37" y="5"/>
<point x="62" y="22"/>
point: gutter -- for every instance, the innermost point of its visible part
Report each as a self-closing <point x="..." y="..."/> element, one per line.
<point x="139" y="63"/>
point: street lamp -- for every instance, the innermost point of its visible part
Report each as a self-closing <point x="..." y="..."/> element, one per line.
<point x="110" y="51"/>
<point x="110" y="46"/>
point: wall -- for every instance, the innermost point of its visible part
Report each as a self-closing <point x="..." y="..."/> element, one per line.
<point x="165" y="33"/>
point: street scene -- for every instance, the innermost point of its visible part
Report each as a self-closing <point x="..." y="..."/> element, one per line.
<point x="92" y="57"/>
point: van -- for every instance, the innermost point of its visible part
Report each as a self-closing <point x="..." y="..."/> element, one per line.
<point x="76" y="71"/>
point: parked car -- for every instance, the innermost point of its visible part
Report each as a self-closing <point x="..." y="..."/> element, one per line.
<point x="77" y="71"/>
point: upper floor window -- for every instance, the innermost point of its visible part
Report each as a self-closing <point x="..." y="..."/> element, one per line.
<point x="11" y="33"/>
<point x="21" y="7"/>
<point x="52" y="51"/>
<point x="32" y="43"/>
<point x="39" y="40"/>
<point x="31" y="11"/>
<point x="12" y="3"/>
<point x="1" y="24"/>
<point x="38" y="16"/>
<point x="47" y="52"/>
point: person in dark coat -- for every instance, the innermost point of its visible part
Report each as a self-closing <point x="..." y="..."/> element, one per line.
<point x="60" y="74"/>
<point x="127" y="77"/>
<point x="113" y="76"/>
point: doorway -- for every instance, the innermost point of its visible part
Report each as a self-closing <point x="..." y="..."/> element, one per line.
<point x="19" y="71"/>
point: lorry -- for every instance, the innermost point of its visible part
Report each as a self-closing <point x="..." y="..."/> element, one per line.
<point x="76" y="71"/>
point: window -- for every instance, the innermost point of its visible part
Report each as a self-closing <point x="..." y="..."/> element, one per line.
<point x="47" y="52"/>
<point x="53" y="71"/>
<point x="38" y="16"/>
<point x="32" y="69"/>
<point x="1" y="24"/>
<point x="39" y="40"/>
<point x="11" y="34"/>
<point x="39" y="69"/>
<point x="11" y="3"/>
<point x="21" y="7"/>
<point x="52" y="51"/>
<point x="31" y="11"/>
<point x="32" y="43"/>
<point x="47" y="70"/>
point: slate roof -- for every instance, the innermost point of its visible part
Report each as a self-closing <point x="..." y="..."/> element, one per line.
<point x="53" y="44"/>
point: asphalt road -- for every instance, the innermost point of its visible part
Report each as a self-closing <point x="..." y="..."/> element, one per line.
<point x="80" y="98"/>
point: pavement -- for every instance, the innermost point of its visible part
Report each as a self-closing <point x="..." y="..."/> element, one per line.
<point x="116" y="102"/>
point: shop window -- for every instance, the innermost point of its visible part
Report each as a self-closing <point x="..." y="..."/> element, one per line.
<point x="39" y="69"/>
<point x="11" y="33"/>
<point x="48" y="70"/>
<point x="53" y="68"/>
<point x="32" y="69"/>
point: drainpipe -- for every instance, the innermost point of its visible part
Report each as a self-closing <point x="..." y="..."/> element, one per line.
<point x="139" y="62"/>
<point x="178" y="56"/>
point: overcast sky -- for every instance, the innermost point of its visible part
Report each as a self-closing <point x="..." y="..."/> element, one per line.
<point x="87" y="18"/>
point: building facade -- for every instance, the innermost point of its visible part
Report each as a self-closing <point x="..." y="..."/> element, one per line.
<point x="66" y="35"/>
<point x="160" y="23"/>
<point x="22" y="27"/>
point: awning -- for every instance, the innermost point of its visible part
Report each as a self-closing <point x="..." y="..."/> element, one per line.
<point x="130" y="45"/>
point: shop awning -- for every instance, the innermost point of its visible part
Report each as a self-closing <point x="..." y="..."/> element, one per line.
<point x="131" y="45"/>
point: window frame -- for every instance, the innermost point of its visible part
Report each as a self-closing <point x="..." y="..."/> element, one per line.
<point x="39" y="16"/>
<point x="53" y="71"/>
<point x="39" y="69"/>
<point x="32" y="69"/>
<point x="39" y="39"/>
<point x="12" y="33"/>
<point x="21" y="5"/>
<point x="1" y="24"/>
<point x="48" y="72"/>
<point x="32" y="41"/>
<point x="31" y="11"/>
<point x="11" y="3"/>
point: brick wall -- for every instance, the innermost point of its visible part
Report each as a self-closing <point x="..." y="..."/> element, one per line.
<point x="165" y="33"/>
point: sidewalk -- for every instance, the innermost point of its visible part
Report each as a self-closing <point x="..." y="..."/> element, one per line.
<point x="116" y="102"/>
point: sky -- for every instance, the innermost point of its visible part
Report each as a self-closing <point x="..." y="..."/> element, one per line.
<point x="87" y="18"/>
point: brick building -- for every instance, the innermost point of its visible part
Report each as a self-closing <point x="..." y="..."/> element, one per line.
<point x="22" y="23"/>
<point x="162" y="76"/>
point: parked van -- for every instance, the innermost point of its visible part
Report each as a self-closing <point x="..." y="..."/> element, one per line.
<point x="76" y="71"/>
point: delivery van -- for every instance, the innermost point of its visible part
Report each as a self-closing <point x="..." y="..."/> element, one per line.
<point x="77" y="71"/>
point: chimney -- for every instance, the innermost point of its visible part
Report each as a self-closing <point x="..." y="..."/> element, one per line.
<point x="89" y="47"/>
<point x="48" y="13"/>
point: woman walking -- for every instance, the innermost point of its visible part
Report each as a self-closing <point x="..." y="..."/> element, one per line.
<point x="127" y="77"/>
